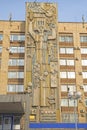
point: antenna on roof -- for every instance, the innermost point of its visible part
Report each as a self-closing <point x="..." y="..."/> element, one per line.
<point x="83" y="20"/>
<point x="10" y="16"/>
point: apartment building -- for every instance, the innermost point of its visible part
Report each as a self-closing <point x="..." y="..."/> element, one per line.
<point x="41" y="62"/>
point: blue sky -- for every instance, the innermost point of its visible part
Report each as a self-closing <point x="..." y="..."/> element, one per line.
<point x="68" y="10"/>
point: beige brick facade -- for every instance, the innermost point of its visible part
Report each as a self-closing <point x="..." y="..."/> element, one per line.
<point x="52" y="67"/>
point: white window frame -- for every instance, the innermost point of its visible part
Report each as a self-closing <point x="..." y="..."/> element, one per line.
<point x="15" y="74"/>
<point x="68" y="62"/>
<point x="64" y="102"/>
<point x="83" y="38"/>
<point x="15" y="49"/>
<point x="1" y="37"/>
<point x="69" y="87"/>
<point x="85" y="87"/>
<point x="66" y="50"/>
<point x="84" y="75"/>
<point x="69" y="75"/>
<point x="16" y="62"/>
<point x="84" y="62"/>
<point x="15" y="88"/>
<point x="83" y="50"/>
<point x="68" y="39"/>
<point x="17" y="37"/>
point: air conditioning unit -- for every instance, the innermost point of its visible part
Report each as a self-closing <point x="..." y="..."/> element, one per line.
<point x="80" y="101"/>
<point x="75" y="48"/>
<point x="81" y="87"/>
<point x="78" y="48"/>
<point x="76" y="58"/>
<point x="80" y="73"/>
<point x="82" y="111"/>
<point x="82" y="115"/>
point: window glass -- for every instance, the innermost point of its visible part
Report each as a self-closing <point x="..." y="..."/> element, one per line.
<point x="12" y="62"/>
<point x="71" y="88"/>
<point x="70" y="62"/>
<point x="15" y="88"/>
<point x="66" y="88"/>
<point x="12" y="74"/>
<point x="17" y="37"/>
<point x="22" y="37"/>
<point x="66" y="50"/>
<point x="17" y="120"/>
<point x="15" y="74"/>
<point x="16" y="62"/>
<point x="1" y="120"/>
<point x="83" y="38"/>
<point x="84" y="62"/>
<point x="63" y="75"/>
<point x="64" y="102"/>
<point x="71" y="74"/>
<point x="85" y="87"/>
<point x="68" y="102"/>
<point x="86" y="101"/>
<point x="69" y="117"/>
<point x="19" y="88"/>
<point x="17" y="49"/>
<point x="66" y="39"/>
<point x="84" y="75"/>
<point x="67" y="74"/>
<point x="83" y="50"/>
<point x="62" y="62"/>
<point x="0" y="49"/>
<point x="62" y="50"/>
<point x="20" y="74"/>
<point x="72" y="103"/>
<point x="1" y="37"/>
<point x="69" y="50"/>
<point x="66" y="62"/>
<point x="20" y="62"/>
<point x="11" y="88"/>
<point x="20" y="49"/>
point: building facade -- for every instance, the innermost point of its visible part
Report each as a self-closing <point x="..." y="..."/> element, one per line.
<point x="41" y="61"/>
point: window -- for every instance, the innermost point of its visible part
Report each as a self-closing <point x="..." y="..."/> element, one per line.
<point x="17" y="49"/>
<point x="17" y="37"/>
<point x="84" y="75"/>
<point x="83" y="50"/>
<point x="15" y="74"/>
<point x="17" y="120"/>
<point x="0" y="49"/>
<point x="68" y="103"/>
<point x="1" y="37"/>
<point x="83" y="38"/>
<point x="66" y="39"/>
<point x="66" y="62"/>
<point x="84" y="62"/>
<point x="66" y="88"/>
<point x="72" y="103"/>
<point x="67" y="74"/>
<point x="64" y="102"/>
<point x="85" y="87"/>
<point x="63" y="75"/>
<point x="66" y="50"/>
<point x="15" y="88"/>
<point x="1" y="121"/>
<point x="69" y="117"/>
<point x="16" y="62"/>
<point x="86" y="101"/>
